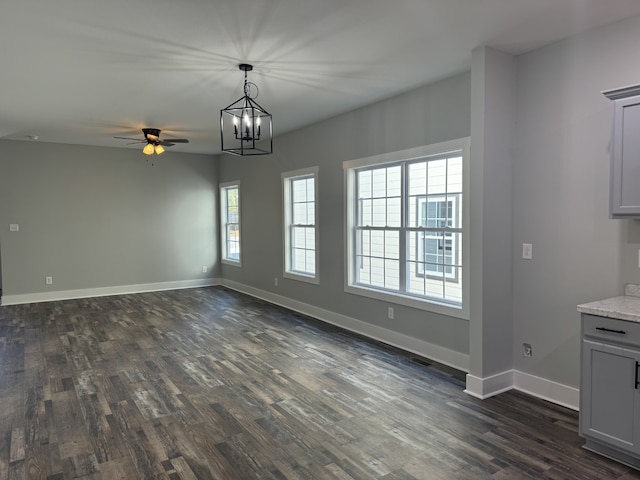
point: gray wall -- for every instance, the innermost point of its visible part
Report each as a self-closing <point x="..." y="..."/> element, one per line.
<point x="424" y="116"/>
<point x="96" y="217"/>
<point x="561" y="194"/>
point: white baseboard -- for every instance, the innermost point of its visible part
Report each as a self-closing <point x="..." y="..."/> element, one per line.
<point x="543" y="388"/>
<point x="106" y="291"/>
<point x="547" y="390"/>
<point x="425" y="349"/>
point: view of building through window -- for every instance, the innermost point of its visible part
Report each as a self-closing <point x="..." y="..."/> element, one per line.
<point x="408" y="228"/>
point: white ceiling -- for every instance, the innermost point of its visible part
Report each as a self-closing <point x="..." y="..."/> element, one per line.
<point x="77" y="71"/>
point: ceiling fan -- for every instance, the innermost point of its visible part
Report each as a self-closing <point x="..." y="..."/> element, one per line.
<point x="153" y="142"/>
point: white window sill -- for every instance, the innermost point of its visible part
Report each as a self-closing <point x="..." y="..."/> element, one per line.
<point x="302" y="278"/>
<point x="235" y="263"/>
<point x="399" y="299"/>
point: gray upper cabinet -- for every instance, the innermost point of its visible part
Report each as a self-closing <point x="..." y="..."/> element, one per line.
<point x="625" y="152"/>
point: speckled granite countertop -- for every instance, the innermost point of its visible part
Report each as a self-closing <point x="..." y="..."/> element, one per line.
<point x="626" y="307"/>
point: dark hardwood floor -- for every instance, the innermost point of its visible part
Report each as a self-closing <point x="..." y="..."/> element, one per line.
<point x="211" y="384"/>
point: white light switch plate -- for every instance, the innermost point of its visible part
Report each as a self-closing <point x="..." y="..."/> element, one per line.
<point x="527" y="251"/>
<point x="14" y="227"/>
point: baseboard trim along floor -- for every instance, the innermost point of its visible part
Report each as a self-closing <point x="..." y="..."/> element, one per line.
<point x="106" y="291"/>
<point x="543" y="388"/>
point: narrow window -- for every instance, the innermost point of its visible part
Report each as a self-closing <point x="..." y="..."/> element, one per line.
<point x="300" y="207"/>
<point x="230" y="222"/>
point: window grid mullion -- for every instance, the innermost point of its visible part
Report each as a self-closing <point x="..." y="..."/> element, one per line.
<point x="404" y="215"/>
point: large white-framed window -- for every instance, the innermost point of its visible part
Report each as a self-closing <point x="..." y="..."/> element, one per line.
<point x="407" y="225"/>
<point x="300" y="214"/>
<point x="230" y="223"/>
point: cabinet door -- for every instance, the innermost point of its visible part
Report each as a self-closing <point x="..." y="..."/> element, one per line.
<point x="609" y="397"/>
<point x="625" y="158"/>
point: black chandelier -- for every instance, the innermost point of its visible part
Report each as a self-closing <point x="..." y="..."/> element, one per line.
<point x="246" y="127"/>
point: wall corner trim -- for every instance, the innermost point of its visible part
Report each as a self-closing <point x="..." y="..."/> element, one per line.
<point x="489" y="386"/>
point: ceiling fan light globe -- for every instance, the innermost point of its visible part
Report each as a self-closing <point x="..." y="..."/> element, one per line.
<point x="159" y="149"/>
<point x="148" y="149"/>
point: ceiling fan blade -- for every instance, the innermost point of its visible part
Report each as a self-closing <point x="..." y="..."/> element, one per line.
<point x="129" y="138"/>
<point x="173" y="141"/>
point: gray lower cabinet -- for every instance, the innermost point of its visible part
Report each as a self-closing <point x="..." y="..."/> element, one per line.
<point x="610" y="388"/>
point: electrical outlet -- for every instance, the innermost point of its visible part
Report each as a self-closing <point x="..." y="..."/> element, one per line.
<point x="526" y="350"/>
<point x="275" y="281"/>
<point x="390" y="313"/>
<point x="204" y="269"/>
<point x="48" y="280"/>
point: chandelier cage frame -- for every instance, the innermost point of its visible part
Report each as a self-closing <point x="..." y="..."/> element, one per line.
<point x="244" y="123"/>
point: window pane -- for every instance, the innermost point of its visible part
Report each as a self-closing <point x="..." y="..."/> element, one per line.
<point x="364" y="184"/>
<point x="298" y="260"/>
<point x="392" y="244"/>
<point x="394" y="181"/>
<point x="377" y="243"/>
<point x="453" y="290"/>
<point x="416" y="284"/>
<point x="299" y="190"/>
<point x="394" y="212"/>
<point x="298" y="238"/>
<point x="379" y="183"/>
<point x="377" y="272"/>
<point x="233" y="241"/>
<point x="232" y="204"/>
<point x="379" y="217"/>
<point x="311" y="194"/>
<point x="417" y="178"/>
<point x="392" y="274"/>
<point x="364" y="270"/>
<point x="310" y="240"/>
<point x="299" y="214"/>
<point x="454" y="175"/>
<point x="437" y="176"/>
<point x="310" y="260"/>
<point x="311" y="213"/>
<point x="366" y="213"/>
<point x="364" y="241"/>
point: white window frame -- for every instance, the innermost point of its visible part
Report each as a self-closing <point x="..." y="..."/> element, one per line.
<point x="424" y="303"/>
<point x="287" y="206"/>
<point x="224" y="222"/>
